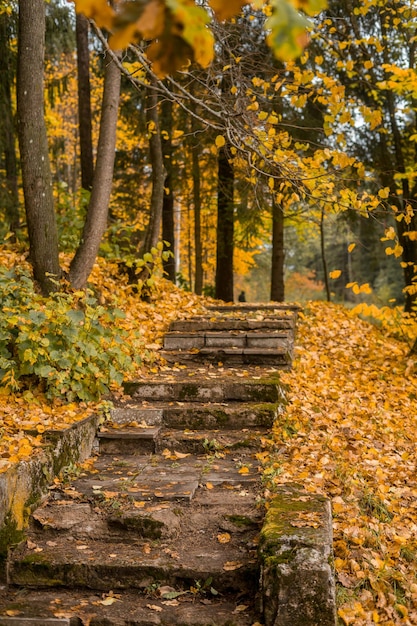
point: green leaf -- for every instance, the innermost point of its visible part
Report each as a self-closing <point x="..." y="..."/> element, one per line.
<point x="288" y="30"/>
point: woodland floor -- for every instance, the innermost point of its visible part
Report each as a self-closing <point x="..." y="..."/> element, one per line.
<point x="349" y="432"/>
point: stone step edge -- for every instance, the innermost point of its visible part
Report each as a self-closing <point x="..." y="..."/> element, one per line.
<point x="254" y="306"/>
<point x="201" y="322"/>
<point x="297" y="580"/>
<point x="221" y="611"/>
<point x="280" y="358"/>
<point x="195" y="389"/>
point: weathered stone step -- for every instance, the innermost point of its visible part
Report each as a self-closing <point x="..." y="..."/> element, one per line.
<point x="176" y="340"/>
<point x="209" y="442"/>
<point x="255" y="306"/>
<point x="279" y="357"/>
<point x="136" y="441"/>
<point x="128" y="440"/>
<point x="172" y="475"/>
<point x="220" y="508"/>
<point x="95" y="564"/>
<point x="125" y="608"/>
<point x="198" y="415"/>
<point x="207" y="390"/>
<point x="201" y="324"/>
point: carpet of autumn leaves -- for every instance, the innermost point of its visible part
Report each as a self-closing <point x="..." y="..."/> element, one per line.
<point x="350" y="433"/>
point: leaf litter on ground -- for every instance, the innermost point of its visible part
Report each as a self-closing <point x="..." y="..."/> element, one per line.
<point x="350" y="432"/>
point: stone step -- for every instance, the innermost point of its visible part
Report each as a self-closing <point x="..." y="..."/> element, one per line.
<point x="128" y="440"/>
<point x="100" y="565"/>
<point x="278" y="357"/>
<point x="197" y="415"/>
<point x="133" y="441"/>
<point x="197" y="389"/>
<point x="82" y="517"/>
<point x="255" y="306"/>
<point x="213" y="324"/>
<point x="209" y="442"/>
<point x="175" y="340"/>
<point x="125" y="608"/>
<point x="169" y="476"/>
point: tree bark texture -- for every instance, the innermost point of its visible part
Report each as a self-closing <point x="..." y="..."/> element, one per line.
<point x="196" y="177"/>
<point x="97" y="213"/>
<point x="153" y="230"/>
<point x="278" y="255"/>
<point x="7" y="128"/>
<point x="225" y="227"/>
<point x="323" y="257"/>
<point x="84" y="102"/>
<point x="168" y="222"/>
<point x="36" y="173"/>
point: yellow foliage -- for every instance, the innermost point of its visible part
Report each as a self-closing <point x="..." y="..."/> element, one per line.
<point x="335" y="274"/>
<point x="97" y="10"/>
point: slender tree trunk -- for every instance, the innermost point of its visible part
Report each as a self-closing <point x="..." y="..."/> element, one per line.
<point x="225" y="227"/>
<point x="7" y="129"/>
<point x="407" y="199"/>
<point x="84" y="102"/>
<point x="158" y="173"/>
<point x="168" y="222"/>
<point x="36" y="173"/>
<point x="196" y="177"/>
<point x="97" y="213"/>
<point x="323" y="257"/>
<point x="278" y="255"/>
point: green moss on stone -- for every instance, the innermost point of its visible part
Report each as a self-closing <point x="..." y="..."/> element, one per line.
<point x="188" y="391"/>
<point x="240" y="520"/>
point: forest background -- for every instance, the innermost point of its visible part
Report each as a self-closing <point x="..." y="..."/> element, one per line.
<point x="288" y="179"/>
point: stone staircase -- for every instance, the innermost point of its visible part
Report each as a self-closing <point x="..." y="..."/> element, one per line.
<point x="166" y="524"/>
<point x="235" y="336"/>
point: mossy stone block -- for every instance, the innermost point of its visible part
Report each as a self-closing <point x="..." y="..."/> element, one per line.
<point x="296" y="557"/>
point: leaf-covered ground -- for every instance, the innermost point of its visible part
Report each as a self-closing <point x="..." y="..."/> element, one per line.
<point x="350" y="432"/>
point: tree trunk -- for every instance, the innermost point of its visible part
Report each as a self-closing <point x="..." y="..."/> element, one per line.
<point x="323" y="257"/>
<point x="196" y="177"/>
<point x="158" y="173"/>
<point x="97" y="213"/>
<point x="36" y="173"/>
<point x="84" y="102"/>
<point x="277" y="262"/>
<point x="168" y="223"/>
<point x="7" y="130"/>
<point x="225" y="227"/>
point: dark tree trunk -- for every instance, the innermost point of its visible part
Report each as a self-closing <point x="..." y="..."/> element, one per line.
<point x="196" y="177"/>
<point x="153" y="231"/>
<point x="7" y="130"/>
<point x="168" y="222"/>
<point x="278" y="255"/>
<point x="97" y="213"/>
<point x="225" y="227"/>
<point x="323" y="257"/>
<point x="36" y="174"/>
<point x="84" y="102"/>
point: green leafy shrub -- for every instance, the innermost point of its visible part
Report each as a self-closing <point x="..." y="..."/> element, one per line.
<point x="68" y="343"/>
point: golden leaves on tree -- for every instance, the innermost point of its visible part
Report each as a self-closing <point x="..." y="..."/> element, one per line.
<point x="178" y="29"/>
